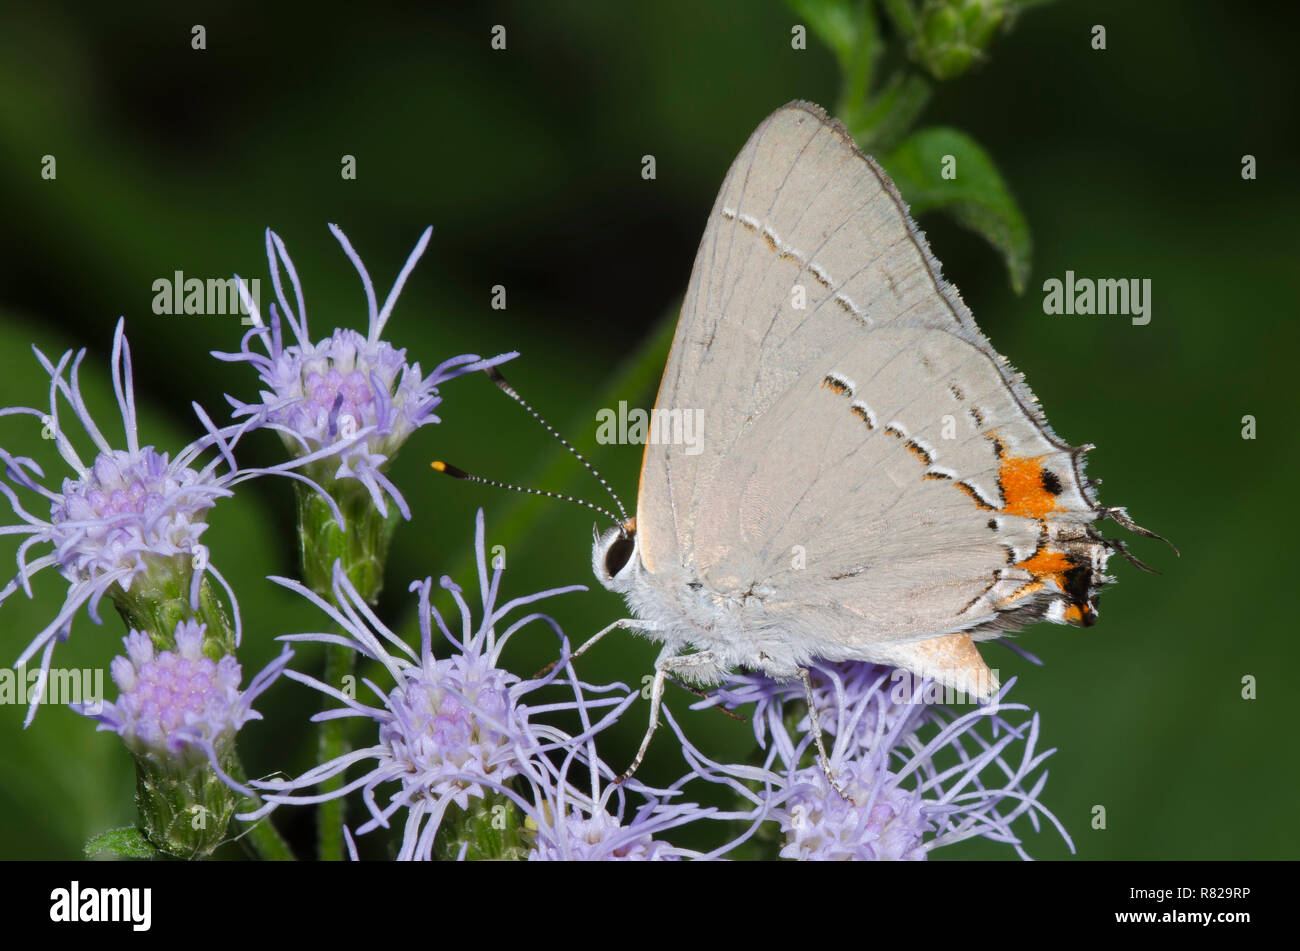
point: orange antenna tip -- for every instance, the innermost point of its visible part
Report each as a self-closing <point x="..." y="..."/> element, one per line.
<point x="439" y="466"/>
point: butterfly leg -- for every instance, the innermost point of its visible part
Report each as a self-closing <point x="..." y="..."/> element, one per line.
<point x="814" y="721"/>
<point x="627" y="623"/>
<point x="667" y="664"/>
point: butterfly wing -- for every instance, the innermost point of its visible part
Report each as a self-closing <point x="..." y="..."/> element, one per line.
<point x="872" y="469"/>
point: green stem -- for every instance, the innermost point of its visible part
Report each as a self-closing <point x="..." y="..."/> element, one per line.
<point x="262" y="835"/>
<point x="361" y="545"/>
<point x="361" y="548"/>
<point x="903" y="17"/>
<point x="184" y="807"/>
<point x="267" y="841"/>
<point x="859" y="63"/>
<point x="332" y="742"/>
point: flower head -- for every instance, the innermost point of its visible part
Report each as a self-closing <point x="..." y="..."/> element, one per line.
<point x="178" y="711"/>
<point x="451" y="729"/>
<point x="577" y="822"/>
<point x="181" y="704"/>
<point x="600" y="837"/>
<point x="453" y="717"/>
<point x="348" y="400"/>
<point x="911" y="776"/>
<point x="818" y="822"/>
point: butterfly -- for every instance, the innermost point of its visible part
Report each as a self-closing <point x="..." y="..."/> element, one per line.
<point x="868" y="480"/>
<point x="874" y="481"/>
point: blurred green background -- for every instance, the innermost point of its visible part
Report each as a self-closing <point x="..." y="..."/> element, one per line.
<point x="1126" y="163"/>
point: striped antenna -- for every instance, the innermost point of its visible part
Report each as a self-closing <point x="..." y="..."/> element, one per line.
<point x="455" y="473"/>
<point x="495" y="376"/>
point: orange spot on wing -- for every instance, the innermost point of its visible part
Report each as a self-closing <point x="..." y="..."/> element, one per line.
<point x="1022" y="487"/>
<point x="1053" y="566"/>
<point x="1047" y="565"/>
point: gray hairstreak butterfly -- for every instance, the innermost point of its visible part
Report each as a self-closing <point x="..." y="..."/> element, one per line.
<point x="872" y="482"/>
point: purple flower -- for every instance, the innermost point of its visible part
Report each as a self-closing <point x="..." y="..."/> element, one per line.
<point x="916" y="776"/>
<point x="573" y="823"/>
<point x="451" y="728"/>
<point x="130" y="520"/>
<point x="883" y="821"/>
<point x="859" y="689"/>
<point x="349" y="399"/>
<point x="181" y="705"/>
<point x="581" y="836"/>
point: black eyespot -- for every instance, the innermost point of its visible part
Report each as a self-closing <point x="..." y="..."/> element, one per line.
<point x="1078" y="584"/>
<point x="620" y="550"/>
<point x="1051" y="482"/>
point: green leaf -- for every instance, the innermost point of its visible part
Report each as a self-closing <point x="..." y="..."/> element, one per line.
<point x="128" y="842"/>
<point x="975" y="195"/>
<point x="849" y="28"/>
<point x="888" y="116"/>
<point x="903" y="16"/>
<point x="834" y="22"/>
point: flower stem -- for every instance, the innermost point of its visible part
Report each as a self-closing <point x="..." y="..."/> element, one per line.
<point x="261" y="835"/>
<point x="185" y="810"/>
<point x="268" y="842"/>
<point x="332" y="742"/>
<point x="361" y="548"/>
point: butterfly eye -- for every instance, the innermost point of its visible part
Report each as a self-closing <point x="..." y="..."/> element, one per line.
<point x="618" y="553"/>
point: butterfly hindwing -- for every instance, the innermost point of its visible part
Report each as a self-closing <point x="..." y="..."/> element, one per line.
<point x="870" y="469"/>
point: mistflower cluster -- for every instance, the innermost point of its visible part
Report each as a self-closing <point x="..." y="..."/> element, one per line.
<point x="180" y="704"/>
<point x="875" y="822"/>
<point x="123" y="509"/>
<point x="348" y="401"/>
<point x="178" y="711"/>
<point x="912" y="776"/>
<point x="571" y="827"/>
<point x="580" y="823"/>
<point x="599" y="837"/>
<point x="128" y="524"/>
<point x="450" y="729"/>
<point x="445" y="720"/>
